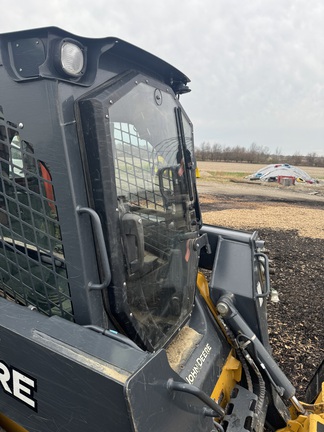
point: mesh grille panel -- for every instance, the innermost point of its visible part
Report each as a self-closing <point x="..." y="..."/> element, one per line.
<point x="32" y="265"/>
<point x="136" y="167"/>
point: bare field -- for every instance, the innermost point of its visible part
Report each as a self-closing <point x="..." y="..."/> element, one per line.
<point x="250" y="205"/>
<point x="204" y="167"/>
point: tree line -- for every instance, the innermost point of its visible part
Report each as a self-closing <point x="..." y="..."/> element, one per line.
<point x="254" y="154"/>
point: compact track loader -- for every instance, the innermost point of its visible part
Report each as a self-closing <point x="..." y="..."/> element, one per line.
<point x="107" y="321"/>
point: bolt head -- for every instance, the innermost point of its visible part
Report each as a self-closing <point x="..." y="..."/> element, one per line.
<point x="222" y="308"/>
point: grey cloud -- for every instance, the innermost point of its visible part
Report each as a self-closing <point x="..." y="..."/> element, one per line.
<point x="257" y="67"/>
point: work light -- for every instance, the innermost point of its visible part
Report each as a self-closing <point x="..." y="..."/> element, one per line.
<point x="72" y="58"/>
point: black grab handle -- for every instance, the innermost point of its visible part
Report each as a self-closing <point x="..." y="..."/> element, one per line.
<point x="97" y="227"/>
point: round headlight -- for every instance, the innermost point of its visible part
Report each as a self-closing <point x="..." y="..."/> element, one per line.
<point x="72" y="59"/>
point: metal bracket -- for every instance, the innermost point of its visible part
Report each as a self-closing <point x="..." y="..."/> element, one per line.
<point x="201" y="242"/>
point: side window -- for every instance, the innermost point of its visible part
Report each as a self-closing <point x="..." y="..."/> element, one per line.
<point x="32" y="264"/>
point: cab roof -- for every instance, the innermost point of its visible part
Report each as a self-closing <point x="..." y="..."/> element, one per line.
<point x="38" y="46"/>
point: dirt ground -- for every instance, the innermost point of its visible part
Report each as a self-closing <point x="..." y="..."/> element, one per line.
<point x="291" y="221"/>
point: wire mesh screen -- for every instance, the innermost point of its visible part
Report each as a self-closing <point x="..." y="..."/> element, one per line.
<point x="32" y="264"/>
<point x="136" y="168"/>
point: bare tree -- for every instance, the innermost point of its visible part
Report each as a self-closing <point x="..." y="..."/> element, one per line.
<point x="311" y="159"/>
<point x="278" y="153"/>
<point x="296" y="158"/>
<point x="254" y="154"/>
<point x="217" y="152"/>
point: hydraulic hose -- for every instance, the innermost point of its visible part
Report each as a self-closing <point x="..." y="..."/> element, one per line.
<point x="262" y="388"/>
<point x="255" y="348"/>
<point x="245" y="367"/>
<point x="245" y="358"/>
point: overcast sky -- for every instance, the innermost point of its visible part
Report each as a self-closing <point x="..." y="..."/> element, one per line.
<point x="256" y="66"/>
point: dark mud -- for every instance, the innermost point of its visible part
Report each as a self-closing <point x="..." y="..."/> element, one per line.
<point x="296" y="322"/>
<point x="225" y="202"/>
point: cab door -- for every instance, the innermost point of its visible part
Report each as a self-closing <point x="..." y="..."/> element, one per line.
<point x="137" y="159"/>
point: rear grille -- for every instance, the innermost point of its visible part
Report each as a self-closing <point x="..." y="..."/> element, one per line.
<point x="32" y="265"/>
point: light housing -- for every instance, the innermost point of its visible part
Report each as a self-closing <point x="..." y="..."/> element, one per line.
<point x="71" y="58"/>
